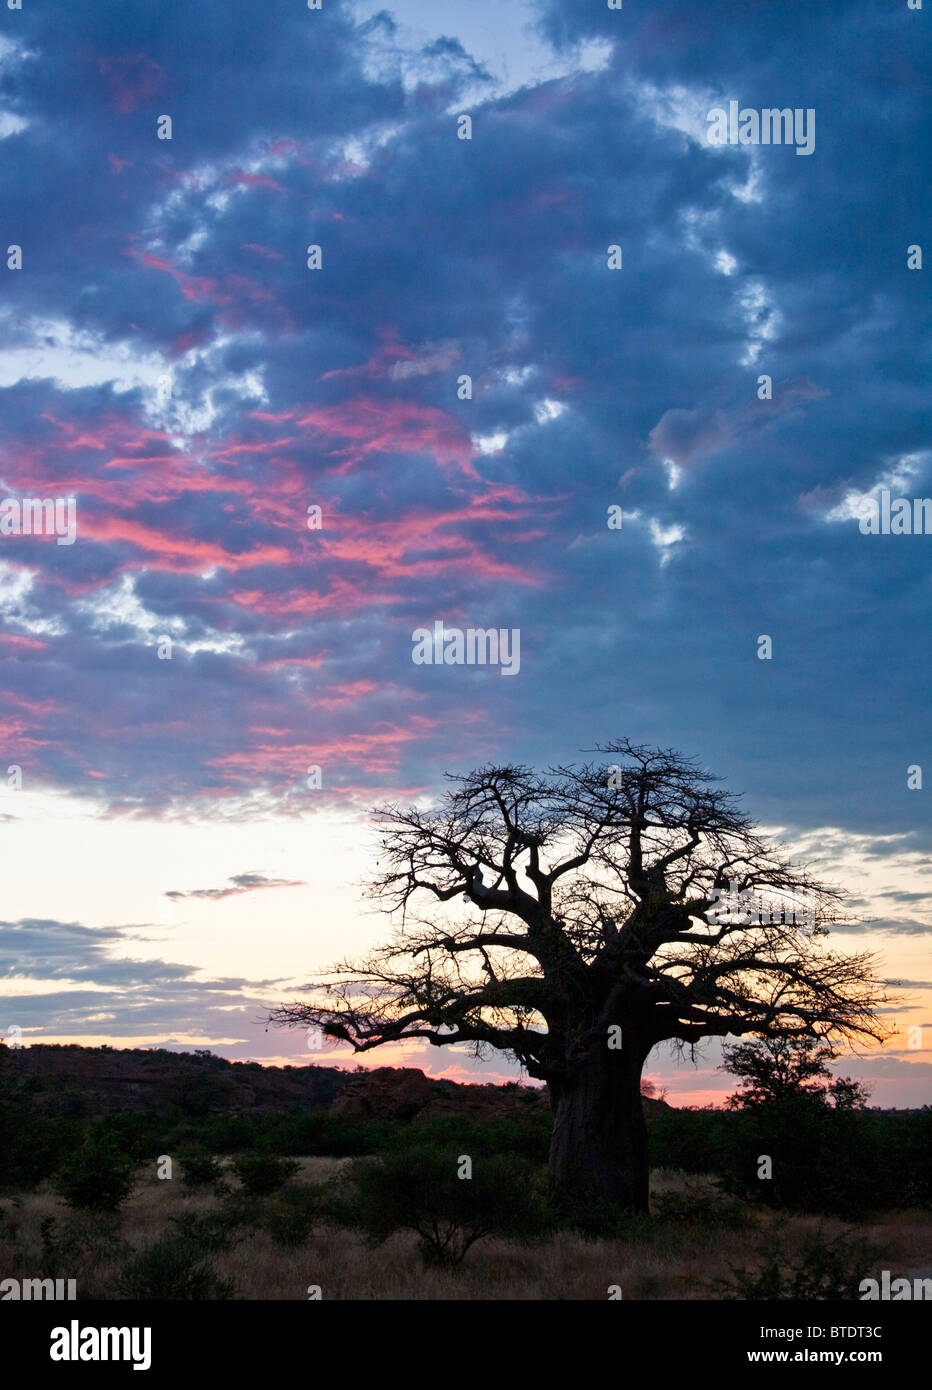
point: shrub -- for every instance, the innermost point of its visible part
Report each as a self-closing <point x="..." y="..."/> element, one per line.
<point x="33" y="1144"/>
<point x="692" y="1141"/>
<point x="419" y="1190"/>
<point x="135" y="1136"/>
<point x="96" y="1177"/>
<point x="209" y="1232"/>
<point x="700" y="1206"/>
<point x="291" y="1214"/>
<point x="263" y="1174"/>
<point x="239" y="1209"/>
<point x="83" y="1238"/>
<point x="230" y="1133"/>
<point x="829" y="1270"/>
<point x="525" y="1135"/>
<point x="319" y="1132"/>
<point x="173" y="1268"/>
<point x="199" y="1168"/>
<point x="9" y="1229"/>
<point x="812" y="1146"/>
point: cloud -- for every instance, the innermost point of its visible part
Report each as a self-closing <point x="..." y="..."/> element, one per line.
<point x="902" y="926"/>
<point x="685" y="435"/>
<point x="239" y="883"/>
<point x="91" y="989"/>
<point x="201" y="388"/>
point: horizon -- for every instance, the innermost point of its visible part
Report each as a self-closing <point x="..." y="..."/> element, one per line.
<point x="649" y="1089"/>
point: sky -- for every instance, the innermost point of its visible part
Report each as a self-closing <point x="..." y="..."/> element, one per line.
<point x="171" y="361"/>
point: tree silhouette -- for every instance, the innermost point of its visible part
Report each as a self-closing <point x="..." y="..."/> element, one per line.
<point x="778" y="1068"/>
<point x="605" y="909"/>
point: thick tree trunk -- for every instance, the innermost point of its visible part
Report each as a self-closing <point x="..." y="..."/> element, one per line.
<point x="599" y="1142"/>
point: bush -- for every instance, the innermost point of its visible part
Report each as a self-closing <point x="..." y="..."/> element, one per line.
<point x="83" y="1238"/>
<point x="700" y="1205"/>
<point x="524" y="1135"/>
<point x="174" y="1268"/>
<point x="813" y="1148"/>
<point x="9" y="1229"/>
<point x="419" y="1190"/>
<point x="209" y="1232"/>
<point x="135" y="1136"/>
<point x="291" y="1214"/>
<point x="826" y="1159"/>
<point x="263" y="1174"/>
<point x="238" y="1210"/>
<point x="829" y="1270"/>
<point x="96" y="1177"/>
<point x="199" y="1168"/>
<point x="229" y="1134"/>
<point x="33" y="1143"/>
<point x="320" y="1133"/>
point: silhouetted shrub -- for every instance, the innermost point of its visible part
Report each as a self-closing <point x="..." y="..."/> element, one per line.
<point x="823" y="1159"/>
<point x="33" y="1144"/>
<point x="95" y="1177"/>
<point x="420" y="1190"/>
<point x="291" y="1214"/>
<point x="200" y="1169"/>
<point x="173" y="1268"/>
<point x="830" y="1270"/>
<point x="263" y="1174"/>
<point x="230" y="1133"/>
<point x="209" y="1232"/>
<point x="81" y="1237"/>
<point x="701" y="1206"/>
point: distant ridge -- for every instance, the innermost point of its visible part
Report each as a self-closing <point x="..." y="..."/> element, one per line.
<point x="85" y="1082"/>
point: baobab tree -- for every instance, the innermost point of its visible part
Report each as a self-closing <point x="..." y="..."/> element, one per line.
<point x="604" y="910"/>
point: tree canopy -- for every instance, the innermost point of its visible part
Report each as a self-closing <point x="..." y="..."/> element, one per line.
<point x="630" y="894"/>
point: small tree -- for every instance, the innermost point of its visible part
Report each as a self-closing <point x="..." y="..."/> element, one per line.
<point x="421" y="1190"/>
<point x="807" y="1122"/>
<point x="263" y="1174"/>
<point x="778" y="1068"/>
<point x="199" y="1168"/>
<point x="95" y="1177"/>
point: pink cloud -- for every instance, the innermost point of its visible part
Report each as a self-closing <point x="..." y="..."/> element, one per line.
<point x="311" y="661"/>
<point x="377" y="751"/>
<point x="247" y="180"/>
<point x="342" y="597"/>
<point x="194" y="287"/>
<point x="265" y="251"/>
<point x="180" y="554"/>
<point x="392" y="426"/>
<point x="15" y="639"/>
<point x="349" y="694"/>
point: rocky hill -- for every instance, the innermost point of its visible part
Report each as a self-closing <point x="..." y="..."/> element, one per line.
<point x="88" y="1081"/>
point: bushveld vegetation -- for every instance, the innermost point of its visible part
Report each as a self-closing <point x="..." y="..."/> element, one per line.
<point x="274" y="1205"/>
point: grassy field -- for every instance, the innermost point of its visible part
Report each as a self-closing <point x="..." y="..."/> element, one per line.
<point x="678" y="1259"/>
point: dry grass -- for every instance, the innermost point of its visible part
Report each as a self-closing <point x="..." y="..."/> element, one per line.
<point x="678" y="1261"/>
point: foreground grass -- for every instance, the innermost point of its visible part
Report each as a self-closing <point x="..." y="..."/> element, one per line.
<point x="681" y="1259"/>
